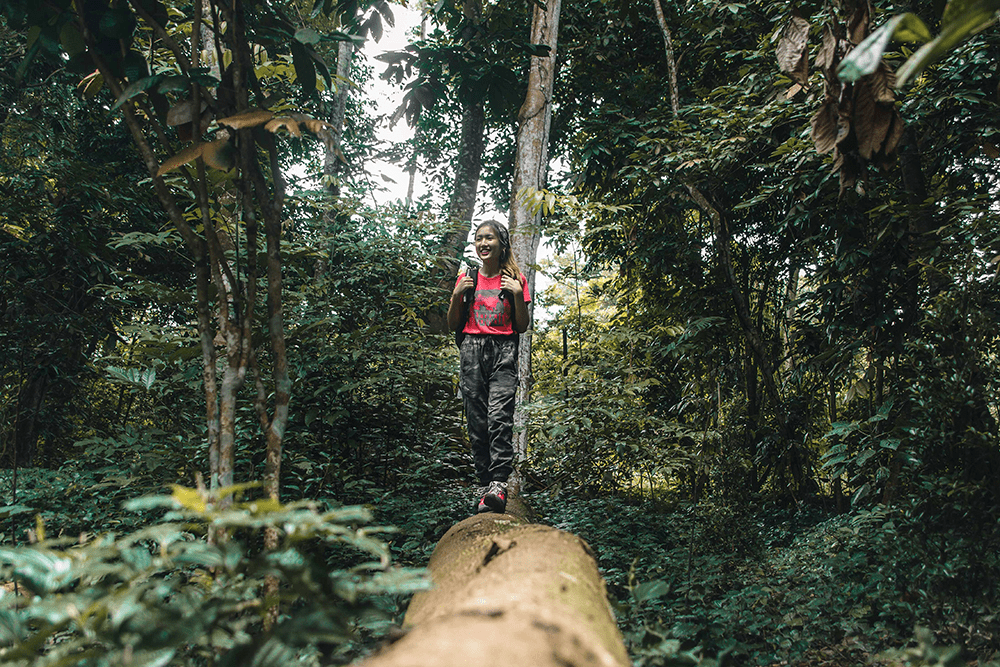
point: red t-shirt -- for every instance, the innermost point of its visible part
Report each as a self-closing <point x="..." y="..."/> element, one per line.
<point x="488" y="313"/>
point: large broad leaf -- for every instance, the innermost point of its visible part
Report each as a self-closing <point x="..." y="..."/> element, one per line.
<point x="962" y="23"/>
<point x="321" y="66"/>
<point x="189" y="154"/>
<point x="183" y="112"/>
<point x="305" y="71"/>
<point x="824" y="127"/>
<point x="307" y="36"/>
<point x="137" y="88"/>
<point x="865" y="59"/>
<point x="792" y="52"/>
<point x="247" y="119"/>
<point x="118" y="22"/>
<point x="71" y="39"/>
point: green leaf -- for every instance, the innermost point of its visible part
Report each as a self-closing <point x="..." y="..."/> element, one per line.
<point x="650" y="590"/>
<point x="865" y="58"/>
<point x="137" y="88"/>
<point x="117" y="23"/>
<point x="961" y="25"/>
<point x="305" y="71"/>
<point x="307" y="36"/>
<point x="71" y="40"/>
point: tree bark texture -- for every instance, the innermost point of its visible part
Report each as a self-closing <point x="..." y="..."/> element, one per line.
<point x="216" y="261"/>
<point x="508" y="592"/>
<point x="530" y="169"/>
<point x="668" y="45"/>
<point x="468" y="169"/>
<point x="333" y="138"/>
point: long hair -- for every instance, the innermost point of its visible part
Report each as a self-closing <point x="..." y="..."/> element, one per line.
<point x="507" y="263"/>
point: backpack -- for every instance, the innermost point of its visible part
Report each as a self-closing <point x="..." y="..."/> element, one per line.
<point x="467" y="299"/>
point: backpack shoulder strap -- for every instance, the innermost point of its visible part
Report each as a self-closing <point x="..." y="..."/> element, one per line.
<point x="467" y="299"/>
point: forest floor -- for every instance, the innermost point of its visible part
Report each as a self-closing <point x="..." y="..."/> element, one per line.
<point x="714" y="583"/>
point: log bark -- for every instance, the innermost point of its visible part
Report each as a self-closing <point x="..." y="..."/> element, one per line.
<point x="509" y="592"/>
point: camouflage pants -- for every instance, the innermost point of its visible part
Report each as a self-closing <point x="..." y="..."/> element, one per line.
<point x="488" y="381"/>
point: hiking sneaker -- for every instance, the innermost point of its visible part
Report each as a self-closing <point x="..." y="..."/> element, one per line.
<point x="481" y="506"/>
<point x="494" y="498"/>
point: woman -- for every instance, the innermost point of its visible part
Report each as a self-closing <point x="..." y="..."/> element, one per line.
<point x="488" y="354"/>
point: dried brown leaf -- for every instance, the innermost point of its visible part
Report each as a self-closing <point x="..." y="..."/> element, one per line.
<point x="192" y="152"/>
<point x="991" y="150"/>
<point x="825" y="57"/>
<point x="183" y="112"/>
<point x="286" y="122"/>
<point x="824" y="127"/>
<point x="892" y="137"/>
<point x="792" y="50"/>
<point x="849" y="171"/>
<point x="845" y="120"/>
<point x="219" y="154"/>
<point x="857" y="28"/>
<point x="882" y="82"/>
<point x="247" y="119"/>
<point x="872" y="121"/>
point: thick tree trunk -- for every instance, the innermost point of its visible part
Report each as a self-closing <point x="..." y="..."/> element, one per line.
<point x="508" y="592"/>
<point x="530" y="169"/>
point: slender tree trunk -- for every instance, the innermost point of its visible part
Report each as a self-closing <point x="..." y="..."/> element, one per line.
<point x="30" y="399"/>
<point x="411" y="168"/>
<point x="333" y="137"/>
<point x="791" y="293"/>
<point x="468" y="168"/>
<point x="530" y="170"/>
<point x="668" y="43"/>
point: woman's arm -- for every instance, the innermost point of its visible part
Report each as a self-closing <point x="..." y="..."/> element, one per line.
<point x="520" y="310"/>
<point x="455" y="306"/>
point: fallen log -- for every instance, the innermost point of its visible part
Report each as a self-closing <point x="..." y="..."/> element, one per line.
<point x="509" y="592"/>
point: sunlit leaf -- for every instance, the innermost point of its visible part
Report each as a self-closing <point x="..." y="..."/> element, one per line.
<point x="866" y="57"/>
<point x="307" y="36"/>
<point x="251" y="118"/>
<point x="189" y="154"/>
<point x="961" y="26"/>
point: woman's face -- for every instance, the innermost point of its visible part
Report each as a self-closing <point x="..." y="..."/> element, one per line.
<point x="487" y="244"/>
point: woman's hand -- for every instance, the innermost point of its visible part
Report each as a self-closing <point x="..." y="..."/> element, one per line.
<point x="464" y="284"/>
<point x="512" y="285"/>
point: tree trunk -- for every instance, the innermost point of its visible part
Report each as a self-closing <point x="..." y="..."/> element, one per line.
<point x="332" y="155"/>
<point x="513" y="593"/>
<point x="30" y="399"/>
<point x="468" y="168"/>
<point x="530" y="169"/>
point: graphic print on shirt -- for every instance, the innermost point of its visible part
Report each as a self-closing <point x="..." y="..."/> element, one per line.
<point x="489" y="310"/>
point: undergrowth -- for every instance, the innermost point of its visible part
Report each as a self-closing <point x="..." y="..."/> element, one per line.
<point x="712" y="584"/>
